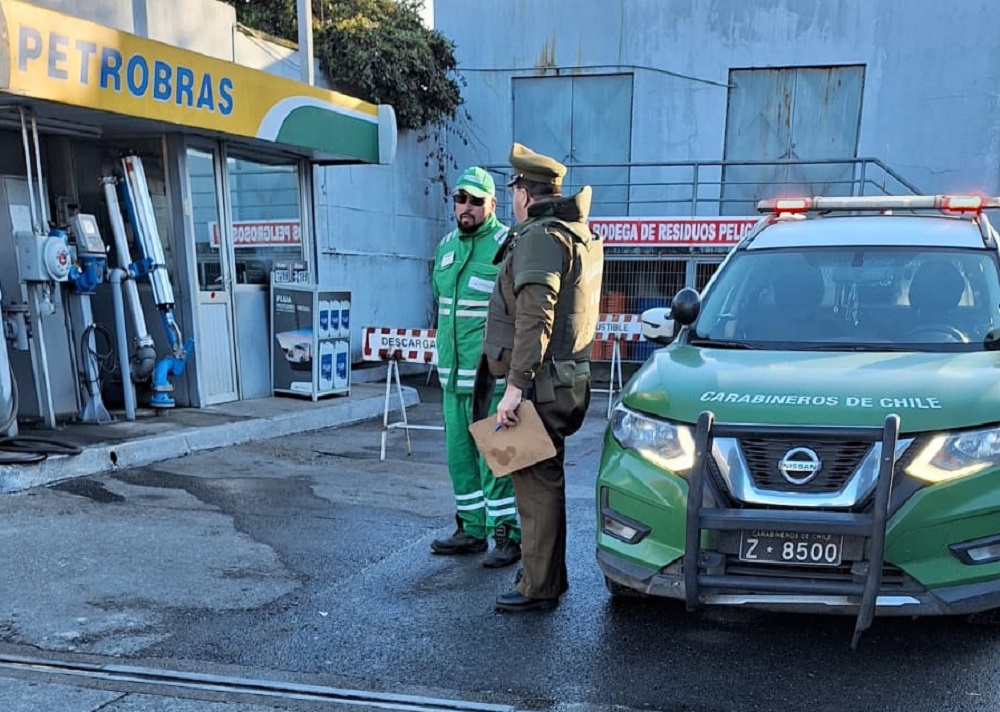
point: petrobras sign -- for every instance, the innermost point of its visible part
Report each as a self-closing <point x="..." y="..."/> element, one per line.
<point x="54" y="57"/>
<point x="672" y="232"/>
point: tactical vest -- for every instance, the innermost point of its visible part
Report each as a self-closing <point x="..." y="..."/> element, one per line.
<point x="578" y="306"/>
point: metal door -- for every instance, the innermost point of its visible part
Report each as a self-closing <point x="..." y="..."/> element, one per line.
<point x="216" y="353"/>
<point x="581" y="120"/>
<point x="790" y="114"/>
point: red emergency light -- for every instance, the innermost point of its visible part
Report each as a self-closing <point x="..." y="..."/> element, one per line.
<point x="790" y="205"/>
<point x="962" y="203"/>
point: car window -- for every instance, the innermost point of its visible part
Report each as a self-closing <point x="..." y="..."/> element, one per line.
<point x="864" y="296"/>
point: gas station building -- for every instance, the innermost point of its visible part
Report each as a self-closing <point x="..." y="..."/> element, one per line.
<point x="227" y="154"/>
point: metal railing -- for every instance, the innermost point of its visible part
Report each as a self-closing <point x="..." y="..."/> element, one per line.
<point x="713" y="188"/>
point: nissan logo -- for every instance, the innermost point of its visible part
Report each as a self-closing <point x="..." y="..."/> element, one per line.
<point x="800" y="465"/>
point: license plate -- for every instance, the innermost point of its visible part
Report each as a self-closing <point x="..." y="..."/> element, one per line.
<point x="797" y="548"/>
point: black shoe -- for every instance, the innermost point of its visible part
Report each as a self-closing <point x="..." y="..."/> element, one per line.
<point x="514" y="602"/>
<point x="505" y="552"/>
<point x="459" y="543"/>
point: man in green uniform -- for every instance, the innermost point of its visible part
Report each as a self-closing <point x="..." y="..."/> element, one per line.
<point x="542" y="317"/>
<point x="463" y="279"/>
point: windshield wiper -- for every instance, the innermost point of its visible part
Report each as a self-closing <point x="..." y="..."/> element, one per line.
<point x="717" y="343"/>
<point x="852" y="347"/>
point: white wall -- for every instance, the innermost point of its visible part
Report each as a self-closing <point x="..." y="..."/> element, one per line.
<point x="377" y="227"/>
<point x="931" y="86"/>
<point x="110" y="13"/>
<point x="204" y="26"/>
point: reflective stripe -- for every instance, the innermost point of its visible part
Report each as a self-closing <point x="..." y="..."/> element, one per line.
<point x="445" y="300"/>
<point x="474" y="495"/>
<point x="465" y="383"/>
<point x="473" y="303"/>
<point x="481" y="314"/>
<point x="444" y="312"/>
<point x="500" y="502"/>
<point x="500" y="512"/>
<point x="471" y="507"/>
<point x="467" y="372"/>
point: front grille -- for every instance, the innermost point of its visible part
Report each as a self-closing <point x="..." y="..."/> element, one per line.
<point x="839" y="461"/>
<point x="893" y="578"/>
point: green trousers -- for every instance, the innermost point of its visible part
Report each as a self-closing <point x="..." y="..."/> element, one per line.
<point x="482" y="501"/>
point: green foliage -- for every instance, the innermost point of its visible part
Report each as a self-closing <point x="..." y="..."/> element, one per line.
<point x="376" y="50"/>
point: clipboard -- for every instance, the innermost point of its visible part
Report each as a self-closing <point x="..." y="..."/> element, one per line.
<point x="510" y="449"/>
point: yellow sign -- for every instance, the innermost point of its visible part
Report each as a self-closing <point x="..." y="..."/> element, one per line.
<point x="54" y="57"/>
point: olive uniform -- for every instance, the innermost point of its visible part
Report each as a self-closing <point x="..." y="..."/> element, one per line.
<point x="539" y="331"/>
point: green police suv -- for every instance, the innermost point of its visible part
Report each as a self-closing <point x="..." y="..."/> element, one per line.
<point x="822" y="433"/>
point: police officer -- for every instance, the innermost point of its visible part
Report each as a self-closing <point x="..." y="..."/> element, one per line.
<point x="462" y="282"/>
<point x="542" y="316"/>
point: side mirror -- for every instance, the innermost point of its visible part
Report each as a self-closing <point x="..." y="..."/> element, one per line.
<point x="657" y="326"/>
<point x="686" y="306"/>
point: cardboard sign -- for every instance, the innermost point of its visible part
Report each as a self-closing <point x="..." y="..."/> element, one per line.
<point x="510" y="449"/>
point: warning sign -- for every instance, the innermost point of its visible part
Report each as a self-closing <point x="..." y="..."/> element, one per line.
<point x="261" y="233"/>
<point x="381" y="344"/>
<point x="672" y="232"/>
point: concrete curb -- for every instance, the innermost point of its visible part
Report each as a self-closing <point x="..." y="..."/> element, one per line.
<point x="109" y="457"/>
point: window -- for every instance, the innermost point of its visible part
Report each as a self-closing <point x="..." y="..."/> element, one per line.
<point x="266" y="210"/>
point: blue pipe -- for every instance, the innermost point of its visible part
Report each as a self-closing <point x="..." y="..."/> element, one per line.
<point x="170" y="365"/>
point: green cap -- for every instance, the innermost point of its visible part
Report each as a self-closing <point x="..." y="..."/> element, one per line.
<point x="535" y="167"/>
<point x="476" y="182"/>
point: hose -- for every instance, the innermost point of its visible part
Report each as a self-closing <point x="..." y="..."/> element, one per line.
<point x="26" y="449"/>
<point x="105" y="362"/>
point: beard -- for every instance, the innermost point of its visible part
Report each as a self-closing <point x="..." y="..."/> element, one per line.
<point x="467" y="223"/>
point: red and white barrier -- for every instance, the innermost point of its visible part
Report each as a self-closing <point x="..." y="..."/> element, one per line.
<point x="410" y="345"/>
<point x="619" y="327"/>
<point x="396" y="345"/>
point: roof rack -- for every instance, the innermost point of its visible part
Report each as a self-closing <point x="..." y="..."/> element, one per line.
<point x="947" y="203"/>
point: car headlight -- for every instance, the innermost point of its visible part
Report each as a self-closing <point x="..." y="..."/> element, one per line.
<point x="668" y="445"/>
<point x="954" y="455"/>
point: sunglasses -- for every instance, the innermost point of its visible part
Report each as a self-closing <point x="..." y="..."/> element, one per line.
<point x="463" y="198"/>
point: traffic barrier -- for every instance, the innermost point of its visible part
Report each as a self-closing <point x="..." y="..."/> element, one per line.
<point x="393" y="346"/>
<point x="612" y="329"/>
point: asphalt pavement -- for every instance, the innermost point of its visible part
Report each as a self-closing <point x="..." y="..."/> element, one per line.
<point x="300" y="565"/>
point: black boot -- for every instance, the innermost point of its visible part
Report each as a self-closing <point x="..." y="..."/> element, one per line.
<point x="505" y="552"/>
<point x="460" y="542"/>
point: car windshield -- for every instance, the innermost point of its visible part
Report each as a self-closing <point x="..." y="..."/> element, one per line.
<point x="863" y="298"/>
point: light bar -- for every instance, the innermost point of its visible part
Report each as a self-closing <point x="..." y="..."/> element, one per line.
<point x="954" y="203"/>
<point x="791" y="205"/>
<point x="963" y="203"/>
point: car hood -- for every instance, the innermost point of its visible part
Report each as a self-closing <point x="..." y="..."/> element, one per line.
<point x="929" y="391"/>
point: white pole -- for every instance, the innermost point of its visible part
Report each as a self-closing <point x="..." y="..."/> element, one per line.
<point x="305" y="18"/>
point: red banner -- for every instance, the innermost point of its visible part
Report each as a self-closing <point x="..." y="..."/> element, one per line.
<point x="672" y="232"/>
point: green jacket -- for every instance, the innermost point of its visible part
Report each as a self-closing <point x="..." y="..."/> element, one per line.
<point x="462" y="282"/>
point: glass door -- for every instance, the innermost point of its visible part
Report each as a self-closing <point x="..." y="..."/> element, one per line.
<point x="265" y="210"/>
<point x="216" y="351"/>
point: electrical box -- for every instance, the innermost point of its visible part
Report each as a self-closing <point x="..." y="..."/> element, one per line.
<point x="88" y="236"/>
<point x="42" y="258"/>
